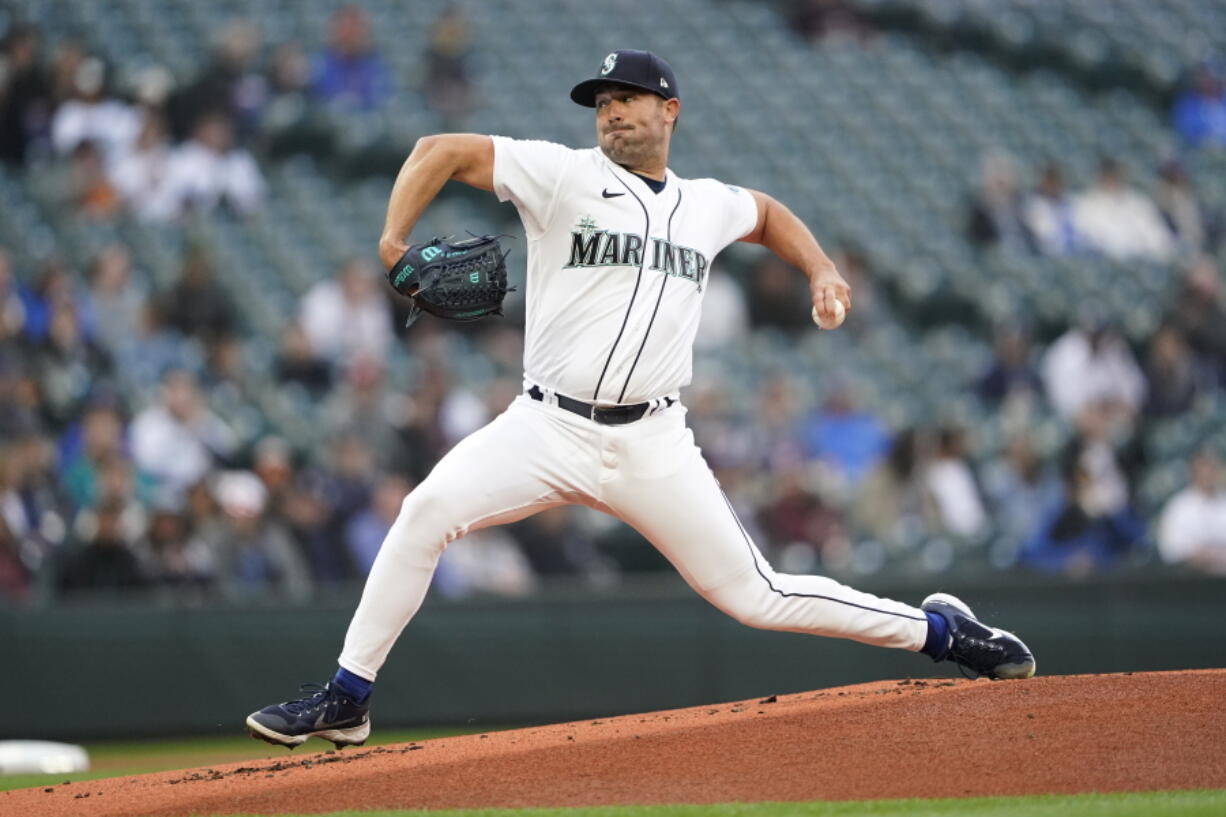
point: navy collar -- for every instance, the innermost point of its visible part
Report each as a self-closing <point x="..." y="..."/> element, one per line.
<point x="656" y="186"/>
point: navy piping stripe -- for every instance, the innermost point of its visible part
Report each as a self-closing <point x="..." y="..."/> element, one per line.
<point x="659" y="298"/>
<point x="630" y="306"/>
<point x="754" y="555"/>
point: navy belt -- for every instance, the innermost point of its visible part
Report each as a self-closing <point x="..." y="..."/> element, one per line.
<point x="605" y="415"/>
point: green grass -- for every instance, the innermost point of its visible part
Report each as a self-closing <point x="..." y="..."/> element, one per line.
<point x="121" y="758"/>
<point x="116" y="758"/>
<point x="1145" y="804"/>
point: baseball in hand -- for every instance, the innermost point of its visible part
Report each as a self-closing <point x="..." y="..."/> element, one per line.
<point x="839" y="314"/>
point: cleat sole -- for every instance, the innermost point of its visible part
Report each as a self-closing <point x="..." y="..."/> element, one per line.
<point x="340" y="738"/>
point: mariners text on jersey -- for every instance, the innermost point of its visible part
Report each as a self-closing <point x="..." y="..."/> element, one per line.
<point x="616" y="270"/>
<point x="602" y="248"/>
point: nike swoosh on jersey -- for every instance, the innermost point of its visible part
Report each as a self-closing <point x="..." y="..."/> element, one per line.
<point x="609" y="195"/>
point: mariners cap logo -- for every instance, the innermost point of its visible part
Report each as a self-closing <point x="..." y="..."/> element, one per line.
<point x="609" y="62"/>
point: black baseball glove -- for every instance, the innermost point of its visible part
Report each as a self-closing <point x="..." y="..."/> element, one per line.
<point x="464" y="281"/>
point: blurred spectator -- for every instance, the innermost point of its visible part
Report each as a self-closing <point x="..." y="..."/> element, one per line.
<point x="116" y="302"/>
<point x="229" y="84"/>
<point x="153" y="349"/>
<point x="151" y="88"/>
<point x="816" y="20"/>
<point x="345" y="487"/>
<point x="1049" y="214"/>
<point x="84" y="188"/>
<point x="1091" y="363"/>
<point x="1181" y="210"/>
<point x="484" y="561"/>
<point x="557" y="543"/>
<point x="197" y="305"/>
<point x="21" y="404"/>
<point x="772" y="441"/>
<point x="350" y="75"/>
<point x="101" y="438"/>
<point x="29" y="503"/>
<point x="289" y="72"/>
<point x="367" y="528"/>
<point x="1192" y="527"/>
<point x="1081" y="537"/>
<point x="12" y="306"/>
<point x="950" y="481"/>
<point x="1175" y="378"/>
<point x="1021" y="490"/>
<point x="1200" y="110"/>
<point x="65" y="63"/>
<point x="842" y="435"/>
<point x="273" y="463"/>
<point x="294" y="498"/>
<point x="1120" y="221"/>
<point x="177" y="439"/>
<point x="348" y="316"/>
<point x="68" y="366"/>
<point x="256" y="558"/>
<point x="995" y="217"/>
<point x="291" y="124"/>
<point x="778" y="296"/>
<point x="138" y="175"/>
<point x="891" y="504"/>
<point x="54" y="287"/>
<point x="725" y="315"/>
<point x="461" y="413"/>
<point x="1199" y="314"/>
<point x="91" y="115"/>
<point x="178" y="557"/>
<point x="796" y="521"/>
<point x="206" y="172"/>
<point x="225" y="370"/>
<point x="419" y="430"/>
<point x="116" y="485"/>
<point x="200" y="508"/>
<point x="1011" y="376"/>
<point x="363" y="407"/>
<point x="298" y="363"/>
<point x="105" y="561"/>
<point x="25" y="104"/>
<point x="447" y="86"/>
<point x="1094" y="457"/>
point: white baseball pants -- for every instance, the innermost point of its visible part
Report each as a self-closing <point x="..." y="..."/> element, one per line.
<point x="649" y="474"/>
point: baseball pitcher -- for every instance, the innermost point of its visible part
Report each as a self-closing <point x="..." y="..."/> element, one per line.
<point x="619" y="253"/>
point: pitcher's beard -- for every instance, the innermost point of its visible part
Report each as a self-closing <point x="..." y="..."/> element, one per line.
<point x="625" y="153"/>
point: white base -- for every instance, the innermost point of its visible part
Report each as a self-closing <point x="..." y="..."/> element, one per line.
<point x="41" y="757"/>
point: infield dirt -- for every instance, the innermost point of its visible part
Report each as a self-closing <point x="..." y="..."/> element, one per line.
<point x="910" y="738"/>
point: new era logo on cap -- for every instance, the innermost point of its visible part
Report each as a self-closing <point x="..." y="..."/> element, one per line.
<point x="638" y="69"/>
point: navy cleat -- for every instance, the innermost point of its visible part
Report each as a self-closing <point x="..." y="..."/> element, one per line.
<point x="326" y="712"/>
<point x="974" y="645"/>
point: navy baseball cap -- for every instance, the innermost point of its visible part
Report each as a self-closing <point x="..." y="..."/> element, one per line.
<point x="638" y="69"/>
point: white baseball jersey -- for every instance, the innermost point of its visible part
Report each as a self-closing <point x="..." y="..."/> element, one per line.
<point x="616" y="274"/>
<point x="616" y="271"/>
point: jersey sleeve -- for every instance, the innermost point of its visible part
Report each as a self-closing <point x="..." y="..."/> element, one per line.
<point x="529" y="175"/>
<point x="737" y="209"/>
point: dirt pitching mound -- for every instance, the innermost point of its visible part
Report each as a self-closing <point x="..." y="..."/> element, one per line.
<point x="911" y="738"/>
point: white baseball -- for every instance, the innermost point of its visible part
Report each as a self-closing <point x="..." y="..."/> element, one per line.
<point x="839" y="314"/>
